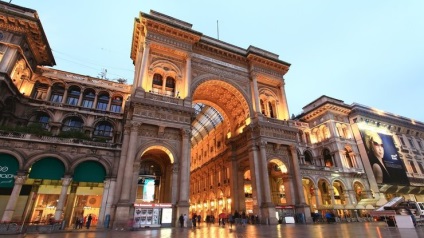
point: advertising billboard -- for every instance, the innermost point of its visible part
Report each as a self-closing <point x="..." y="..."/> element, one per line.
<point x="387" y="166"/>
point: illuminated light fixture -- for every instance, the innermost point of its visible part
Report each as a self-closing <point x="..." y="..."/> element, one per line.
<point x="212" y="203"/>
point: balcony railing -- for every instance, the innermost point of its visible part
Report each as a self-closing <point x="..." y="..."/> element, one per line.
<point x="52" y="139"/>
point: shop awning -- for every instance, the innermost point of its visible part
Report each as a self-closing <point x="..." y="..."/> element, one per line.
<point x="9" y="165"/>
<point x="90" y="171"/>
<point x="47" y="168"/>
<point x="367" y="203"/>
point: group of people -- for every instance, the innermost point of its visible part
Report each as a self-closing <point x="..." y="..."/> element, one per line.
<point x="195" y="220"/>
<point x="223" y="218"/>
<point x="79" y="222"/>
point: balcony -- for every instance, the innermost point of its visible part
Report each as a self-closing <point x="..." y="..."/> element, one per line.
<point x="52" y="139"/>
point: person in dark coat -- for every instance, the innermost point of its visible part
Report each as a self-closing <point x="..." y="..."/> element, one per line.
<point x="181" y="220"/>
<point x="88" y="223"/>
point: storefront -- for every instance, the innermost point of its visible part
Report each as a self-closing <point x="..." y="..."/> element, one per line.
<point x="152" y="215"/>
<point x="285" y="214"/>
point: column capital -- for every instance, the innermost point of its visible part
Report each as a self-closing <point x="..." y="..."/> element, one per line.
<point x="175" y="168"/>
<point x="66" y="181"/>
<point x="20" y="179"/>
<point x="185" y="132"/>
<point x="292" y="148"/>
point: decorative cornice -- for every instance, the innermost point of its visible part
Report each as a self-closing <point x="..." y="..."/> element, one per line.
<point x="24" y="21"/>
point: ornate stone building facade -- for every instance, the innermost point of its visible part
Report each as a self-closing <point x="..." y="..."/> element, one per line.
<point x="337" y="157"/>
<point x="204" y="129"/>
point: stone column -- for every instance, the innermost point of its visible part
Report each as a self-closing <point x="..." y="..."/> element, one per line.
<point x="65" y="95"/>
<point x="188" y="77"/>
<point x="331" y="190"/>
<point x="108" y="104"/>
<point x="141" y="80"/>
<point x="126" y="167"/>
<point x="285" y="109"/>
<point x="72" y="197"/>
<point x="107" y="201"/>
<point x="9" y="59"/>
<point x="49" y="93"/>
<point x="60" y="204"/>
<point x="122" y="161"/>
<point x="129" y="165"/>
<point x="256" y="93"/>
<point x="317" y="198"/>
<point x="301" y="206"/>
<point x="288" y="189"/>
<point x="80" y="97"/>
<point x="96" y="97"/>
<point x="266" y="191"/>
<point x="185" y="167"/>
<point x="240" y="203"/>
<point x="13" y="199"/>
<point x="234" y="183"/>
<point x="255" y="173"/>
<point x="174" y="192"/>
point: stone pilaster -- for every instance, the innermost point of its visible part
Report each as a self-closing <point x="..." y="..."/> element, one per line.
<point x="13" y="199"/>
<point x="62" y="197"/>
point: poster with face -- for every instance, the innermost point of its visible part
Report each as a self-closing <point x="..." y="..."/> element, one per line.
<point x="385" y="162"/>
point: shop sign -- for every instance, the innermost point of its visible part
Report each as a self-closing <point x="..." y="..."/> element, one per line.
<point x="6" y="176"/>
<point x="153" y="205"/>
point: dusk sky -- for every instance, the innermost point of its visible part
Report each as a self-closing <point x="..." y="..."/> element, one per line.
<point x="368" y="52"/>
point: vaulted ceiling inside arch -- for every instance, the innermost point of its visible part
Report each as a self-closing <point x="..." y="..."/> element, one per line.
<point x="216" y="102"/>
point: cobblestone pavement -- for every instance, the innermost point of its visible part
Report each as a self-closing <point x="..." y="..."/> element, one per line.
<point x="357" y="230"/>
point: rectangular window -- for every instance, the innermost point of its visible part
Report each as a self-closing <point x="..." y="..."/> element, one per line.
<point x="102" y="106"/>
<point x="56" y="98"/>
<point x="72" y="101"/>
<point x="419" y="144"/>
<point x="87" y="103"/>
<point x="402" y="141"/>
<point x="411" y="142"/>
<point x="115" y="108"/>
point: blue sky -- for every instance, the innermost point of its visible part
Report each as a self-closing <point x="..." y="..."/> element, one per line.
<point x="368" y="52"/>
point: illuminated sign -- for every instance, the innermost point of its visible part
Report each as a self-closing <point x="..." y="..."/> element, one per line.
<point x="157" y="205"/>
<point x="384" y="159"/>
<point x="166" y="215"/>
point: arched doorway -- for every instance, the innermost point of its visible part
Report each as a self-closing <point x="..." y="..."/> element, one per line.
<point x="154" y="177"/>
<point x="277" y="171"/>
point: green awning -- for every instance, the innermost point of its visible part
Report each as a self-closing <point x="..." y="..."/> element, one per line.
<point x="90" y="171"/>
<point x="9" y="165"/>
<point x="47" y="168"/>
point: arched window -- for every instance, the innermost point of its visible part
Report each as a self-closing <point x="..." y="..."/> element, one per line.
<point x="328" y="160"/>
<point x="88" y="98"/>
<point x="157" y="83"/>
<point x="103" y="129"/>
<point x="42" y="119"/>
<point x="72" y="124"/>
<point x="73" y="95"/>
<point x="40" y="91"/>
<point x="271" y="110"/>
<point x="116" y="105"/>
<point x="263" y="110"/>
<point x="102" y="102"/>
<point x="308" y="158"/>
<point x="157" y="80"/>
<point x="348" y="158"/>
<point x="170" y="86"/>
<point x="57" y="93"/>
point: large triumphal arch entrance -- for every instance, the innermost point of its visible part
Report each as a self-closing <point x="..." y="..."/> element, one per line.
<point x="208" y="128"/>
